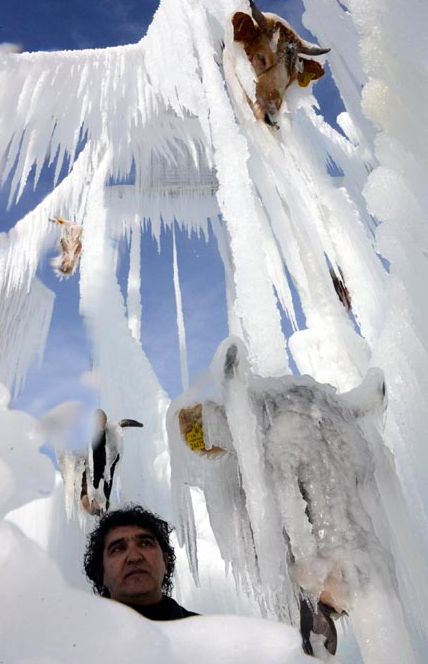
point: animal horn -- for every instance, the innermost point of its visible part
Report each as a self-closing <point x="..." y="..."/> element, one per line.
<point x="311" y="49"/>
<point x="130" y="423"/>
<point x="258" y="16"/>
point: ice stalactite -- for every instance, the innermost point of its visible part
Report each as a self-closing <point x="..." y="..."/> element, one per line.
<point x="26" y="303"/>
<point x="25" y="318"/>
<point x="395" y="195"/>
<point x="129" y="386"/>
<point x="217" y="474"/>
<point x="222" y="237"/>
<point x="333" y="24"/>
<point x="255" y="299"/>
<point x="180" y="318"/>
<point x="394" y="100"/>
<point x="309" y="219"/>
<point x="72" y="467"/>
<point x="133" y="301"/>
<point x="24" y="246"/>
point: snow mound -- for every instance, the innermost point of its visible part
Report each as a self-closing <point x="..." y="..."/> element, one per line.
<point x="65" y="626"/>
<point x="25" y="474"/>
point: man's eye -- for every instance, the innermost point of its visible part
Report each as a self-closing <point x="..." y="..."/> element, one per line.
<point x="146" y="543"/>
<point x="118" y="547"/>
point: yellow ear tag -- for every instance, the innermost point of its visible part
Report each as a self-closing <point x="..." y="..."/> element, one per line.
<point x="60" y="220"/>
<point x="195" y="438"/>
<point x="304" y="78"/>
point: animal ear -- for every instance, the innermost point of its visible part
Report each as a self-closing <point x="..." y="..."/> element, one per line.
<point x="100" y="418"/>
<point x="244" y="29"/>
<point x="231" y="361"/>
<point x="369" y="396"/>
<point x="311" y="71"/>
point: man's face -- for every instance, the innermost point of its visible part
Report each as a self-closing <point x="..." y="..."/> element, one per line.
<point x="134" y="565"/>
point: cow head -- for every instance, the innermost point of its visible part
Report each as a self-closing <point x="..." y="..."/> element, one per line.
<point x="274" y="50"/>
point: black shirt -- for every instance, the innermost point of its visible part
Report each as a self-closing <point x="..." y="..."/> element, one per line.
<point x="166" y="609"/>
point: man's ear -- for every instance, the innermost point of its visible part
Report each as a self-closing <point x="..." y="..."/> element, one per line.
<point x="231" y="361"/>
<point x="165" y="559"/>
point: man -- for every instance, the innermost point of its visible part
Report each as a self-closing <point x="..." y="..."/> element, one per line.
<point x="129" y="558"/>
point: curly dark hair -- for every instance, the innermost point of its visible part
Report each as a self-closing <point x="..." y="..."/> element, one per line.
<point x="129" y="515"/>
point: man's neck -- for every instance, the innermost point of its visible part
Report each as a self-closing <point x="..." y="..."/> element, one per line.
<point x="153" y="610"/>
<point x="142" y="600"/>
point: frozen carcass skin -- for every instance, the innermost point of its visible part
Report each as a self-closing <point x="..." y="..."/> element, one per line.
<point x="323" y="461"/>
<point x="318" y="463"/>
<point x="66" y="263"/>
<point x="305" y="463"/>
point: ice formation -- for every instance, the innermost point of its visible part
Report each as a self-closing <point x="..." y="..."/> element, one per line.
<point x="304" y="485"/>
<point x="25" y="317"/>
<point x="201" y="161"/>
<point x="35" y="594"/>
<point x="88" y="477"/>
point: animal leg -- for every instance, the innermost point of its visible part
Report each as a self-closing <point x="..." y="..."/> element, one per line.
<point x="317" y="621"/>
<point x="109" y="485"/>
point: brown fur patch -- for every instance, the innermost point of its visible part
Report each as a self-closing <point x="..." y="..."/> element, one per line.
<point x="190" y="422"/>
<point x="272" y="48"/>
<point x="71" y="249"/>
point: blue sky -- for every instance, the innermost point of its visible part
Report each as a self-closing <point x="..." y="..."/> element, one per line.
<point x="76" y="24"/>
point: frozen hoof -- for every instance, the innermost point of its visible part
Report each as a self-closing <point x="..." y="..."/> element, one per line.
<point x="317" y="622"/>
<point x="268" y="120"/>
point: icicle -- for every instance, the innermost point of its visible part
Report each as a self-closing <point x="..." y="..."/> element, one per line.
<point x="220" y="232"/>
<point x="180" y="318"/>
<point x="134" y="282"/>
<point x="255" y="299"/>
<point x="128" y="385"/>
<point x="25" y="318"/>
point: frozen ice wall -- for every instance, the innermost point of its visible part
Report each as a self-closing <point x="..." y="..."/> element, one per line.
<point x="282" y="222"/>
<point x="387" y="119"/>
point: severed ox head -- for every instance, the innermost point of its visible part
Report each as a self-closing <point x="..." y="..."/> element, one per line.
<point x="274" y="50"/>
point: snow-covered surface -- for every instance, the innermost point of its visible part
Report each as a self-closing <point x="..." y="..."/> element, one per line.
<point x="197" y="151"/>
<point x="63" y="624"/>
<point x="44" y="620"/>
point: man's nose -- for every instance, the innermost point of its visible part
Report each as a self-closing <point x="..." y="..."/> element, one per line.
<point x="134" y="553"/>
